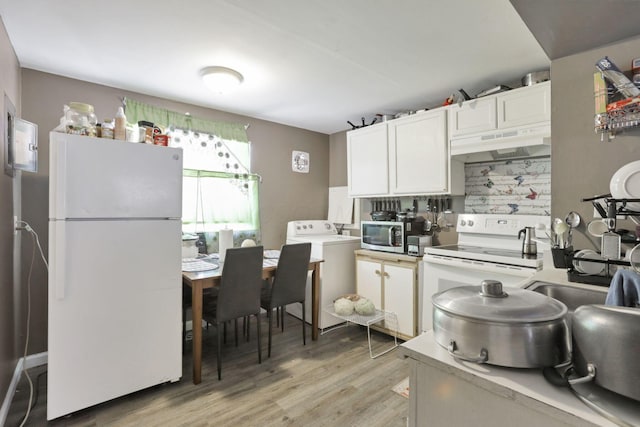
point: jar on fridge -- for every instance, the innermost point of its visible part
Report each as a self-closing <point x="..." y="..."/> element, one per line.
<point x="80" y="119"/>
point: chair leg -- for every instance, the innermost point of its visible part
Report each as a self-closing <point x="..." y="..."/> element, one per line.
<point x="282" y="318"/>
<point x="248" y="318"/>
<point x="270" y="317"/>
<point x="219" y="351"/>
<point x="184" y="328"/>
<point x="304" y="335"/>
<point x="278" y="317"/>
<point x="224" y="328"/>
<point x="259" y="342"/>
<point x="235" y="329"/>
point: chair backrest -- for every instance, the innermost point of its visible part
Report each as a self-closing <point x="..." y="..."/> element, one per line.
<point x="290" y="280"/>
<point x="240" y="284"/>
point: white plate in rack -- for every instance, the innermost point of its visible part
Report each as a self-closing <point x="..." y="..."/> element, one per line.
<point x="586" y="267"/>
<point x="625" y="184"/>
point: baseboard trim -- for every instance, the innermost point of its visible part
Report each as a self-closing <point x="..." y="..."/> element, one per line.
<point x="31" y="361"/>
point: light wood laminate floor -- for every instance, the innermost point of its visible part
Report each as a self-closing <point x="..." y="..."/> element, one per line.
<point x="329" y="382"/>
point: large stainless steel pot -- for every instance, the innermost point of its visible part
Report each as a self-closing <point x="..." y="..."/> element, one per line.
<point x="606" y="344"/>
<point x="507" y="327"/>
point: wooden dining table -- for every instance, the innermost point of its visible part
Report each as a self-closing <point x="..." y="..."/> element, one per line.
<point x="200" y="280"/>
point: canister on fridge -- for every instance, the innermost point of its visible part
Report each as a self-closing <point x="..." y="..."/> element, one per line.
<point x="148" y="131"/>
<point x="107" y="128"/>
<point x="80" y="119"/>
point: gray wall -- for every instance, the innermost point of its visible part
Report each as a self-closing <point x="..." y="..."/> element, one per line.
<point x="338" y="159"/>
<point x="582" y="165"/>
<point x="284" y="195"/>
<point x="11" y="301"/>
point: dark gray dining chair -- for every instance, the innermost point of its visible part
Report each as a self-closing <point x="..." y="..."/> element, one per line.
<point x="238" y="294"/>
<point x="289" y="284"/>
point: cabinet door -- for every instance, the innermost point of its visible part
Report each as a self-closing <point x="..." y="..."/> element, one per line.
<point x="369" y="281"/>
<point x="367" y="161"/>
<point x="478" y="115"/>
<point x="399" y="296"/>
<point x="418" y="154"/>
<point x="528" y="105"/>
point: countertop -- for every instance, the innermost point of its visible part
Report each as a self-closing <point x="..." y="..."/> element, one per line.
<point x="525" y="385"/>
<point x="390" y="256"/>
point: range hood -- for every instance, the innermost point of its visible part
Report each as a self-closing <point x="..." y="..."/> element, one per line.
<point x="531" y="141"/>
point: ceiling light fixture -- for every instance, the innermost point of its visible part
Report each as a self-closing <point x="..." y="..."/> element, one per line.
<point x="221" y="79"/>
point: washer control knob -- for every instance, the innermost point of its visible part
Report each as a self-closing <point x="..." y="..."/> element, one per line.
<point x="463" y="222"/>
<point x="470" y="222"/>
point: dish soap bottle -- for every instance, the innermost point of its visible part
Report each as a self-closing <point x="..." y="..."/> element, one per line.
<point x="120" y="128"/>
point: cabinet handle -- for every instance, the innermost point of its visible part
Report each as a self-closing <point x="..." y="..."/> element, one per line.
<point x="386" y="274"/>
<point x="378" y="272"/>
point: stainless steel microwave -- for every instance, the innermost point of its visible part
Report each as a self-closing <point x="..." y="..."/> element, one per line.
<point x="388" y="236"/>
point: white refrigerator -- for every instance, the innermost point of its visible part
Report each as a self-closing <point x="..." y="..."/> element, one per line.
<point x="114" y="270"/>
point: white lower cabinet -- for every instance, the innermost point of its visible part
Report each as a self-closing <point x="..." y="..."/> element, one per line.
<point x="391" y="282"/>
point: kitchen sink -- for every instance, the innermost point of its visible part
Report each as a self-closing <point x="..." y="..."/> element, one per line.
<point x="572" y="296"/>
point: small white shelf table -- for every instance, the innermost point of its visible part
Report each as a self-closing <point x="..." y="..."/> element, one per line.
<point x="390" y="319"/>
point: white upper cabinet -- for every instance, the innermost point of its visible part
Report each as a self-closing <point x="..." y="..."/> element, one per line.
<point x="473" y="116"/>
<point x="525" y="106"/>
<point x="419" y="154"/>
<point x="518" y="107"/>
<point x="368" y="161"/>
<point x="406" y="156"/>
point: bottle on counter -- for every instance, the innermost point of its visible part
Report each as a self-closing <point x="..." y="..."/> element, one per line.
<point x="108" y="128"/>
<point x="120" y="126"/>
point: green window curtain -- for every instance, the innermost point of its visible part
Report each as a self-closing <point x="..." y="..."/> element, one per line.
<point x="136" y="111"/>
<point x="214" y="200"/>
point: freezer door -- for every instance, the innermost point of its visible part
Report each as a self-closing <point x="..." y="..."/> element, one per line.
<point x="100" y="178"/>
<point x="115" y="319"/>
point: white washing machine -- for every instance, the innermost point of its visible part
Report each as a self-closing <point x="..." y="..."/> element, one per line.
<point x="337" y="272"/>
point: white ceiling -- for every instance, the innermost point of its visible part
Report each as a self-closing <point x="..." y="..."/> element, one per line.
<point x="313" y="64"/>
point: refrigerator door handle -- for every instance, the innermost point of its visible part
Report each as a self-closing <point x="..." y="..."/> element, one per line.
<point x="56" y="265"/>
<point x="58" y="179"/>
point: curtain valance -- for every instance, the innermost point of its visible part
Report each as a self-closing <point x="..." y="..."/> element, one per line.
<point x="136" y="111"/>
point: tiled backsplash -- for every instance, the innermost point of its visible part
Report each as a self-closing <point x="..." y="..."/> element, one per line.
<point x="520" y="187"/>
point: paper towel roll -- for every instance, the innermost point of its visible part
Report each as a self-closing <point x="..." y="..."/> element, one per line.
<point x="225" y="241"/>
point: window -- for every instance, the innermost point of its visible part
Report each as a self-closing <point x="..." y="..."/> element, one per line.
<point x="219" y="190"/>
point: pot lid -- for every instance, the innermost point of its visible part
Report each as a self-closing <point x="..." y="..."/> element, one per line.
<point x="492" y="302"/>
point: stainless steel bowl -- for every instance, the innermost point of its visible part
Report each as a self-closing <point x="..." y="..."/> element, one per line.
<point x="606" y="339"/>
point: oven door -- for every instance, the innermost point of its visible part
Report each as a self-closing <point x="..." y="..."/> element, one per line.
<point x="442" y="272"/>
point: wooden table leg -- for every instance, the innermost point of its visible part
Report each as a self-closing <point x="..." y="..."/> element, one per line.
<point x="315" y="301"/>
<point x="196" y="329"/>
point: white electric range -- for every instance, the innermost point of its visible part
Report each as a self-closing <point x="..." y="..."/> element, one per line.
<point x="488" y="248"/>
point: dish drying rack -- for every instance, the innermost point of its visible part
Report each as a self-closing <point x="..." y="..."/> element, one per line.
<point x="612" y="210"/>
<point x="602" y="279"/>
<point x="564" y="257"/>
